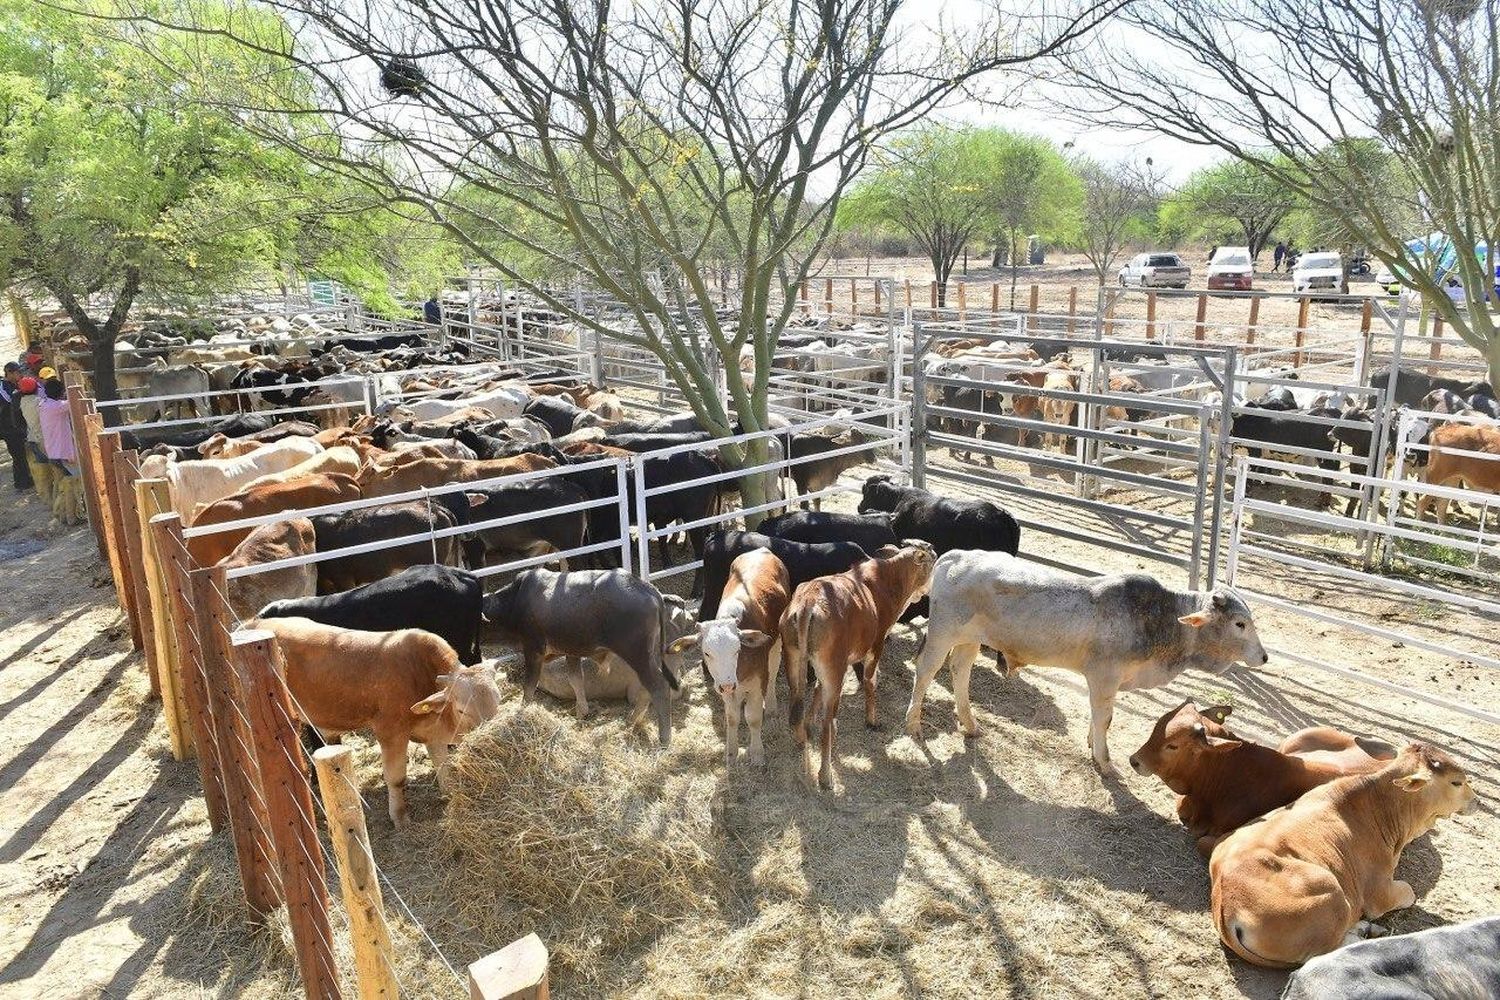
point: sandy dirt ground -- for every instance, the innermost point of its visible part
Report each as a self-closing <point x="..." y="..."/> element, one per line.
<point x="941" y="867"/>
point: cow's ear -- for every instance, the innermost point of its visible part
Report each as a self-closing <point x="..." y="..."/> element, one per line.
<point x="753" y="638"/>
<point x="1217" y="713"/>
<point x="432" y="703"/>
<point x="1197" y="619"/>
<point x="475" y="499"/>
<point x="1413" y="782"/>
<point x="1221" y="742"/>
<point x="682" y="643"/>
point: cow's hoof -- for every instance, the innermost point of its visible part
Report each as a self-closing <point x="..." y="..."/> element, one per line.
<point x="914" y="730"/>
<point x="874" y="724"/>
<point x="1107" y="770"/>
<point x="970" y="732"/>
<point x="825" y="782"/>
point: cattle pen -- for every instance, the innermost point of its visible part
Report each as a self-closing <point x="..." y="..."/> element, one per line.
<point x="1364" y="596"/>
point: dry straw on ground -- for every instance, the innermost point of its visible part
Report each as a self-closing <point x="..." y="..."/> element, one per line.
<point x="593" y="841"/>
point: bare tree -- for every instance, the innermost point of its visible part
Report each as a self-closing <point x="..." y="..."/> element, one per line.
<point x="635" y="145"/>
<point x="1322" y="98"/>
<point x="1118" y="201"/>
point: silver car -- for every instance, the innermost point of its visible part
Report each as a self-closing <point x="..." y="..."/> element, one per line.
<point x="1155" y="270"/>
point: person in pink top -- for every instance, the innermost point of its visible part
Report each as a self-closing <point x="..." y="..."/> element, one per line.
<point x="58" y="443"/>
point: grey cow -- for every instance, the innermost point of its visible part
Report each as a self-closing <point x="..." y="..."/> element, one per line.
<point x="1121" y="632"/>
<point x="600" y="614"/>
<point x="612" y="680"/>
<point x="1439" y="963"/>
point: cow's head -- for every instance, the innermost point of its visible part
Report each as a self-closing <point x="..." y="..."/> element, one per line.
<point x="720" y="640"/>
<point x="1183" y="738"/>
<point x="1436" y="778"/>
<point x="1226" y="631"/>
<point x="464" y="700"/>
<point x="878" y="494"/>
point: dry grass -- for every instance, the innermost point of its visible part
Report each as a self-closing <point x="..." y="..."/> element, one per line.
<point x="596" y="842"/>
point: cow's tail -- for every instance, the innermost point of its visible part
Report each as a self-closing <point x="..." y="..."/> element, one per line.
<point x="662" y="616"/>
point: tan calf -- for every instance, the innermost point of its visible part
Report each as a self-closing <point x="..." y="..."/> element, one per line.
<point x="837" y="621"/>
<point x="1475" y="471"/>
<point x="405" y="686"/>
<point x="739" y="646"/>
<point x="1298" y="883"/>
<point x="1058" y="411"/>
<point x="340" y="459"/>
<point x="271" y="543"/>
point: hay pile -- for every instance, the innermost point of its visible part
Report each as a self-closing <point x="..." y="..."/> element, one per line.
<point x="588" y="836"/>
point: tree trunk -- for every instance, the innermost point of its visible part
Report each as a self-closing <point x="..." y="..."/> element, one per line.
<point x="1013" y="264"/>
<point x="997" y="258"/>
<point x="103" y="349"/>
<point x="1492" y="357"/>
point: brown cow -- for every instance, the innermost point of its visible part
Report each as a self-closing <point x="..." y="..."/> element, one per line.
<point x="271" y="543"/>
<point x="1223" y="782"/>
<point x="338" y="460"/>
<point x="839" y="620"/>
<point x="1473" y="471"/>
<point x="739" y="646"/>
<point x="1058" y="411"/>
<point x="1298" y="883"/>
<point x="383" y="480"/>
<point x="258" y="501"/>
<point x="406" y="686"/>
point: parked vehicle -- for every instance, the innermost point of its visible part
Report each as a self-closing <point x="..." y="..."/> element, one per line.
<point x="1231" y="270"/>
<point x="1386" y="279"/>
<point x="1155" y="270"/>
<point x="1322" y="271"/>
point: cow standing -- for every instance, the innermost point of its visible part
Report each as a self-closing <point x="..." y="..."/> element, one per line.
<point x="837" y="621"/>
<point x="1121" y="632"/>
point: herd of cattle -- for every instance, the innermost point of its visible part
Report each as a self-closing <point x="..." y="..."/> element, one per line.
<point x="1303" y="838"/>
<point x="1333" y="429"/>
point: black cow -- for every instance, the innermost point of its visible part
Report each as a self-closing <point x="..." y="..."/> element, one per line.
<point x="538" y="536"/>
<point x="440" y="599"/>
<point x="1276" y="398"/>
<point x="869" y="532"/>
<point x="945" y="523"/>
<point x="560" y="414"/>
<point x="1456" y="961"/>
<point x="236" y="426"/>
<point x="643" y="442"/>
<point x="1412" y="385"/>
<point x="381" y="523"/>
<point x="1263" y="432"/>
<point x="487" y="447"/>
<point x="688" y="504"/>
<point x="1486" y="403"/>
<point x="803" y="562"/>
<point x="276" y="388"/>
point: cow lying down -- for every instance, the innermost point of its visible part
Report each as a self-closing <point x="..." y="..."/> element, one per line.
<point x="1121" y="632"/>
<point x="1223" y="781"/>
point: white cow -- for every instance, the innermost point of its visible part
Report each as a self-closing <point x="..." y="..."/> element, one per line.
<point x="206" y="480"/>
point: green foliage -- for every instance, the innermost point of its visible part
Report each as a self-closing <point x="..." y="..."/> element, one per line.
<point x="1226" y="203"/>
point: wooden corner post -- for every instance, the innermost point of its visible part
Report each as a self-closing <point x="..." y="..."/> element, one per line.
<point x="139" y="596"/>
<point x="373" y="966"/>
<point x="516" y="972"/>
<point x="289" y="808"/>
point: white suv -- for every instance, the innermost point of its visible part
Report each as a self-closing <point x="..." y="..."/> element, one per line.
<point x="1155" y="270"/>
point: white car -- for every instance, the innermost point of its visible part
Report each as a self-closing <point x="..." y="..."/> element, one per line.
<point x="1155" y="270"/>
<point x="1322" y="271"/>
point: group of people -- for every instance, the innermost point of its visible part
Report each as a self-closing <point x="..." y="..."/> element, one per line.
<point x="38" y="430"/>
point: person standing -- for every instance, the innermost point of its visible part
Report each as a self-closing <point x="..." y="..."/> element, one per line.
<point x="43" y="473"/>
<point x="432" y="311"/>
<point x="57" y="440"/>
<point x="13" y="427"/>
<point x="1278" y="255"/>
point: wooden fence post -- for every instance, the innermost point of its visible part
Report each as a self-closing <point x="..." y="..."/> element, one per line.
<point x="373" y="957"/>
<point x="877" y="295"/>
<point x="802" y="293"/>
<point x="854" y="296"/>
<point x="1365" y="315"/>
<point x="152" y="497"/>
<point x="135" y="568"/>
<point x="1151" y="314"/>
<point x="78" y="412"/>
<point x="1198" y="323"/>
<point x="1036" y="293"/>
<point x="1072" y="308"/>
<point x="1300" y="335"/>
<point x="516" y="972"/>
<point x="828" y="296"/>
<point x="962" y="303"/>
<point x="177" y="565"/>
<point x="241" y="773"/>
<point x="994" y="296"/>
<point x="934" y="295"/>
<point x="1435" y="352"/>
<point x="908" y="292"/>
<point x="1254" y="318"/>
<point x="289" y="809"/>
<point x="109" y="500"/>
